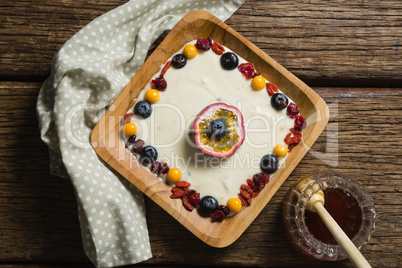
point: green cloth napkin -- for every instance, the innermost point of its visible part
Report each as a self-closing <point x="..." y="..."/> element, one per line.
<point x="88" y="73"/>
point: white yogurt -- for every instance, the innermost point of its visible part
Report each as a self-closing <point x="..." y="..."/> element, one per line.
<point x="198" y="84"/>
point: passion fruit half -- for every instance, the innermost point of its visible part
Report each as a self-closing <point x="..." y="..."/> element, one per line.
<point x="219" y="130"/>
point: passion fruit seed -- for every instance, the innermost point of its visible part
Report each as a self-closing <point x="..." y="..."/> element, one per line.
<point x="280" y="150"/>
<point x="190" y="51"/>
<point x="143" y="109"/>
<point x="269" y="163"/>
<point x="229" y="61"/>
<point x="279" y="101"/>
<point x="174" y="175"/>
<point x="208" y="204"/>
<point x="152" y="95"/>
<point x="228" y="143"/>
<point x="179" y="61"/>
<point x="148" y="155"/>
<point x="258" y="82"/>
<point x="130" y="129"/>
<point x="234" y="204"/>
<point x="217" y="129"/>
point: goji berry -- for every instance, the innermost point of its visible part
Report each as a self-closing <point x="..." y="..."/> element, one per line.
<point x="243" y="202"/>
<point x="245" y="195"/>
<point x="290" y="147"/>
<point x="175" y="189"/>
<point x="271" y="88"/>
<point x="255" y="194"/>
<point x="177" y="194"/>
<point x="127" y="118"/>
<point x="165" y="68"/>
<point x="182" y="184"/>
<point x="217" y="48"/>
<point x="251" y="184"/>
<point x="246" y="188"/>
<point x="187" y="204"/>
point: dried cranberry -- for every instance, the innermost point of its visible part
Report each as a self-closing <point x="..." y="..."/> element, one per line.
<point x="155" y="167"/>
<point x="300" y="122"/>
<point x="203" y="44"/>
<point x="224" y="209"/>
<point x="194" y="198"/>
<point x="159" y="84"/>
<point x="164" y="168"/>
<point x="260" y="180"/>
<point x="292" y="111"/>
<point x="137" y="146"/>
<point x="247" y="69"/>
<point x="131" y="140"/>
<point x="219" y="215"/>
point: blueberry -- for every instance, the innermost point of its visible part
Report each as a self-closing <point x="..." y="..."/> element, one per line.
<point x="143" y="109"/>
<point x="218" y="129"/>
<point x="179" y="61"/>
<point x="279" y="101"/>
<point x="148" y="155"/>
<point x="229" y="61"/>
<point x="269" y="163"/>
<point x="208" y="204"/>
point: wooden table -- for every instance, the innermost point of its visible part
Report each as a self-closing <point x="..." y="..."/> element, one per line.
<point x="348" y="51"/>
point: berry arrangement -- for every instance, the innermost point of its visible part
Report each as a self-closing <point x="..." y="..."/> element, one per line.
<point x="213" y="133"/>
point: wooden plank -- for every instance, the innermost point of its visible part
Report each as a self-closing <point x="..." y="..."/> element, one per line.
<point x="338" y="43"/>
<point x="38" y="217"/>
<point x="40" y="28"/>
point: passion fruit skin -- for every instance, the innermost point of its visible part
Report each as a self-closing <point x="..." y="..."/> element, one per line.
<point x="235" y="128"/>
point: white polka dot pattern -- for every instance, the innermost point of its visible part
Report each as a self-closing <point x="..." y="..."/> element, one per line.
<point x="88" y="73"/>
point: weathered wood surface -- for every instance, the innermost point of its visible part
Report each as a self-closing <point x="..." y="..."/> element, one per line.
<point x="336" y="43"/>
<point x="38" y="222"/>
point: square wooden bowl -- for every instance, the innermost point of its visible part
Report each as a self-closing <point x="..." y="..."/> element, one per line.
<point x="107" y="142"/>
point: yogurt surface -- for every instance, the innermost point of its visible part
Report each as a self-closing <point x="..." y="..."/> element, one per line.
<point x="201" y="82"/>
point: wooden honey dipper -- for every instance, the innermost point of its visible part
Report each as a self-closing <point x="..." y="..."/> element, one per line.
<point x="316" y="204"/>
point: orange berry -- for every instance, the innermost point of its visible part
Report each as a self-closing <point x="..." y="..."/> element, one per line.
<point x="234" y="204"/>
<point x="152" y="95"/>
<point x="174" y="175"/>
<point x="130" y="129"/>
<point x="190" y="51"/>
<point x="258" y="82"/>
<point x="280" y="150"/>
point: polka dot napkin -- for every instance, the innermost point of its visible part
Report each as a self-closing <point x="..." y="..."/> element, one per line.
<point x="88" y="73"/>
